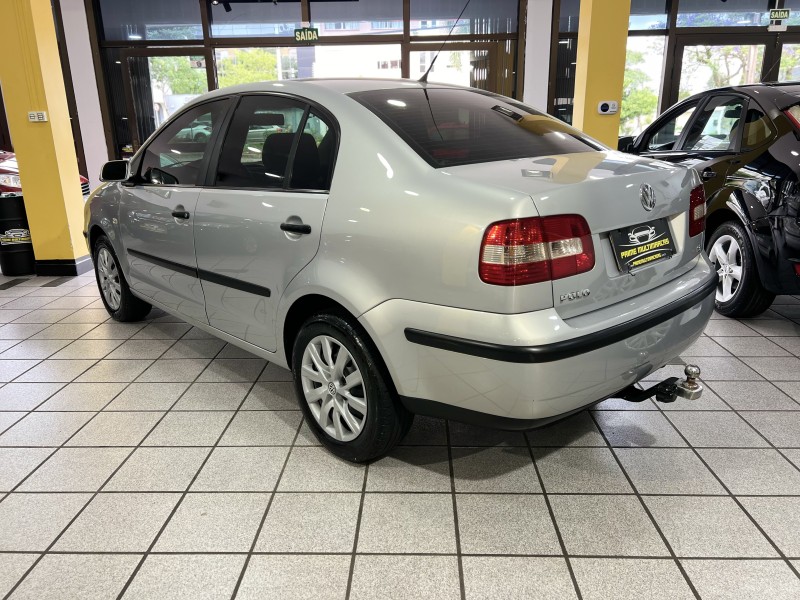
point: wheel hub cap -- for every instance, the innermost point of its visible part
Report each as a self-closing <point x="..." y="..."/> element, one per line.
<point x="333" y="388"/>
<point x="108" y="278"/>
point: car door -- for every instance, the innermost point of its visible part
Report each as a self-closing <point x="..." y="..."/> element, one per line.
<point x="157" y="212"/>
<point x="259" y="223"/>
<point x="705" y="135"/>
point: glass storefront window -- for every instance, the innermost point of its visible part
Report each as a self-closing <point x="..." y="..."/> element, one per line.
<point x="648" y="14"/>
<point x="344" y="17"/>
<point x="151" y="20"/>
<point x="794" y="17"/>
<point x="249" y="65"/>
<point x="568" y="17"/>
<point x="437" y="17"/>
<point x="375" y="60"/>
<point x="257" y="19"/>
<point x="565" y="78"/>
<point x="706" y="67"/>
<point x="644" y="62"/>
<point x="457" y="67"/>
<point x="790" y="63"/>
<point x="733" y="13"/>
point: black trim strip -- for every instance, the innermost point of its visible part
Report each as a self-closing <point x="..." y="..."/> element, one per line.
<point x="232" y="282"/>
<point x="440" y="410"/>
<point x="566" y="348"/>
<point x="163" y="262"/>
<point x="210" y="276"/>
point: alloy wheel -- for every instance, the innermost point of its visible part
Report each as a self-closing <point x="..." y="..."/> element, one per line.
<point x="108" y="274"/>
<point x="334" y="388"/>
<point x="726" y="256"/>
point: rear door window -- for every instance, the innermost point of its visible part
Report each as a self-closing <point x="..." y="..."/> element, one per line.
<point x="456" y="127"/>
<point x="718" y="128"/>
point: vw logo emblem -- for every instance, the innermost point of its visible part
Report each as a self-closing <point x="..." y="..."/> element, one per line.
<point x="332" y="389"/>
<point x="648" y="196"/>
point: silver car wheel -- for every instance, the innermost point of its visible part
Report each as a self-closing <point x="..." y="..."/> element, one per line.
<point x="108" y="275"/>
<point x="334" y="389"/>
<point x="726" y="256"/>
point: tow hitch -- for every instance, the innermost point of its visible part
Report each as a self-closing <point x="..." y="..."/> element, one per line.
<point x="667" y="390"/>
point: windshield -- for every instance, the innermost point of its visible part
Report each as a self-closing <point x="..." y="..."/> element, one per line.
<point x="450" y="127"/>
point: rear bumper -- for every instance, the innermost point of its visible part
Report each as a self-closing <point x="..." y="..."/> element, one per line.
<point x="525" y="370"/>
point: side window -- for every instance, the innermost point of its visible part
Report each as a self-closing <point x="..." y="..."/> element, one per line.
<point x="316" y="153"/>
<point x="718" y="127"/>
<point x="176" y="154"/>
<point x="670" y="132"/>
<point x="756" y="128"/>
<point x="259" y="141"/>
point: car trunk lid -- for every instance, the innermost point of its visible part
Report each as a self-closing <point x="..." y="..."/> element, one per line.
<point x="637" y="211"/>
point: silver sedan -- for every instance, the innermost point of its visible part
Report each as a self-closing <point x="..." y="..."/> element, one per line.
<point x="407" y="248"/>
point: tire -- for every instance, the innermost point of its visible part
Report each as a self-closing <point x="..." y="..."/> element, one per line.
<point x="120" y="303"/>
<point x="359" y="423"/>
<point x="731" y="253"/>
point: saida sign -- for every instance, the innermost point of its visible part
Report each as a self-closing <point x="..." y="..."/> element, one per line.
<point x="306" y="34"/>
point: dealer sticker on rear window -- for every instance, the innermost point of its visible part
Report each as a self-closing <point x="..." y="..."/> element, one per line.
<point x="642" y="245"/>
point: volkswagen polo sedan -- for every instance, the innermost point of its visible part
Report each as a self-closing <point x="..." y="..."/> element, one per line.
<point x="407" y="248"/>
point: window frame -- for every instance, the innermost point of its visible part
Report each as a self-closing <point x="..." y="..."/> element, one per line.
<point x="138" y="159"/>
<point x="309" y="106"/>
<point x="642" y="143"/>
<point x="768" y="120"/>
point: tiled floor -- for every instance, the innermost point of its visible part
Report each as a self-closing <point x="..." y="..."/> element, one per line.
<point x="152" y="461"/>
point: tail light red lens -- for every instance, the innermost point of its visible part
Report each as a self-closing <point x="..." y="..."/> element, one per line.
<point x="793" y="114"/>
<point x="697" y="211"/>
<point x="524" y="251"/>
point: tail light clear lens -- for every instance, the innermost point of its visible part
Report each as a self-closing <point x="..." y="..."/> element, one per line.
<point x="524" y="251"/>
<point x="697" y="211"/>
<point x="793" y="114"/>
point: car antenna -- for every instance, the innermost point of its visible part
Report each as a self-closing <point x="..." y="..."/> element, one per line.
<point x="424" y="78"/>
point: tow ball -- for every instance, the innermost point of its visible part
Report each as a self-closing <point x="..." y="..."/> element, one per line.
<point x="669" y="389"/>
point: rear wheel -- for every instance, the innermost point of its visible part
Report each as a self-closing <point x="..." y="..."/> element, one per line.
<point x="344" y="392"/>
<point x="120" y="303"/>
<point x="739" y="291"/>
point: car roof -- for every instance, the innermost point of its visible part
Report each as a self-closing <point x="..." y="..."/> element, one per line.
<point x="336" y="85"/>
<point x="778" y="92"/>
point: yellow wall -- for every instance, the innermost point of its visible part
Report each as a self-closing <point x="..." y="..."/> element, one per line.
<point x="602" y="37"/>
<point x="30" y="73"/>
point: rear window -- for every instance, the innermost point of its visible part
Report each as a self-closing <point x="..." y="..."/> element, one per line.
<point x="450" y="127"/>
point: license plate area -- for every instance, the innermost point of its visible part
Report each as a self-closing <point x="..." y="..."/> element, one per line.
<point x="642" y="245"/>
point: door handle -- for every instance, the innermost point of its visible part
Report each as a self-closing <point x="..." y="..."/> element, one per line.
<point x="707" y="174"/>
<point x="180" y="214"/>
<point x="296" y="228"/>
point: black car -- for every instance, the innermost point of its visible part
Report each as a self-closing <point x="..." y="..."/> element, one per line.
<point x="745" y="144"/>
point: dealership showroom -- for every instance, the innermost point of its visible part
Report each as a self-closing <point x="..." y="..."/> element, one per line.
<point x="400" y="299"/>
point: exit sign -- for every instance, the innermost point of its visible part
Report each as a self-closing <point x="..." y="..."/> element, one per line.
<point x="779" y="14"/>
<point x="306" y="34"/>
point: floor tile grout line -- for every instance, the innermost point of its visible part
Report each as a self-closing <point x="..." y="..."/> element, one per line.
<point x="352" y="566"/>
<point x="382" y="492"/>
<point x="646" y="509"/>
<point x="736" y="500"/>
<point x="175" y="508"/>
<point x="459" y="551"/>
<point x="761" y="435"/>
<point x="562" y="544"/>
<point x="86" y="504"/>
<point x="251" y="552"/>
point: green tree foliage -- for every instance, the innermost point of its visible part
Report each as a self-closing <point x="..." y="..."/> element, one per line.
<point x="639" y="102"/>
<point x="719" y="66"/>
<point x="247" y="66"/>
<point x="175" y="75"/>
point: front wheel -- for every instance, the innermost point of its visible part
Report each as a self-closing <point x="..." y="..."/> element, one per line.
<point x="344" y="392"/>
<point x="739" y="291"/>
<point x="120" y="303"/>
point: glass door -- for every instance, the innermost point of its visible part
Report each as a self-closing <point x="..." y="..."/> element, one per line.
<point x="468" y="64"/>
<point x="159" y="82"/>
<point x="711" y="61"/>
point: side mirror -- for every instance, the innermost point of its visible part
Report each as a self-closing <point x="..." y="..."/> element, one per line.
<point x="115" y="170"/>
<point x="625" y="143"/>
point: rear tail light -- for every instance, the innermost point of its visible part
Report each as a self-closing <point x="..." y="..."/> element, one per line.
<point x="697" y="211"/>
<point x="797" y="269"/>
<point x="523" y="251"/>
<point x="793" y="114"/>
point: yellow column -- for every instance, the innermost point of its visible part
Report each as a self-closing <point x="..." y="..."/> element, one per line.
<point x="602" y="37"/>
<point x="30" y="73"/>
